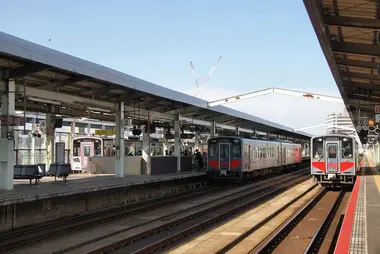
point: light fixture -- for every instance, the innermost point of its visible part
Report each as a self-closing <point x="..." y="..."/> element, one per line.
<point x="35" y="99"/>
<point x="99" y="109"/>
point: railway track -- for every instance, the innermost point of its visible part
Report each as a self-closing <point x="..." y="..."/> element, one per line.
<point x="25" y="237"/>
<point x="305" y="231"/>
<point x="20" y="237"/>
<point x="164" y="232"/>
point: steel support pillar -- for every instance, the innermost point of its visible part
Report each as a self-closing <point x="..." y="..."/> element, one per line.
<point x="146" y="151"/>
<point x="196" y="140"/>
<point x="32" y="144"/>
<point x="50" y="136"/>
<point x="120" y="144"/>
<point x="71" y="137"/>
<point x="213" y="129"/>
<point x="177" y="142"/>
<point x="237" y="130"/>
<point x="7" y="158"/>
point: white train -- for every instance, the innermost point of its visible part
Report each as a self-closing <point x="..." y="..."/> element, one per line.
<point x="241" y="158"/>
<point x="335" y="160"/>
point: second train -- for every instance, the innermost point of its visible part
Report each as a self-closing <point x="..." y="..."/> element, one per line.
<point x="237" y="158"/>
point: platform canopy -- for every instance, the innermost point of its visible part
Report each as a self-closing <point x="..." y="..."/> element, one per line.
<point x="79" y="88"/>
<point x="349" y="34"/>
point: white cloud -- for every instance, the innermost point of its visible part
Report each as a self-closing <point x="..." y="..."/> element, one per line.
<point x="294" y="112"/>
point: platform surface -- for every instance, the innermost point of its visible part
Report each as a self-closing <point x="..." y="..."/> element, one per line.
<point x="360" y="232"/>
<point x="24" y="192"/>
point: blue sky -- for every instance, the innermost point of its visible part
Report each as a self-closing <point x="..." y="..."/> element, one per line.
<point x="263" y="43"/>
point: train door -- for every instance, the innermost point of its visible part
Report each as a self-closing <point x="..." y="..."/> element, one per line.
<point x="278" y="156"/>
<point x="249" y="157"/>
<point x="87" y="150"/>
<point x="224" y="157"/>
<point x="332" y="155"/>
<point x="283" y="155"/>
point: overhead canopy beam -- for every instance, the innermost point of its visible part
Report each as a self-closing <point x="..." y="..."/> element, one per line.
<point x="274" y="90"/>
<point x="352" y="22"/>
<point x="97" y="91"/>
<point x="24" y="70"/>
<point x="361" y="85"/>
<point x="356" y="63"/>
<point x="77" y="100"/>
<point x="355" y="48"/>
<point x="32" y="107"/>
<point x="65" y="82"/>
<point x="349" y="74"/>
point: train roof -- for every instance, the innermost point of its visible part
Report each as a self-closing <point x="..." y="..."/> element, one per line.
<point x="333" y="135"/>
<point x="256" y="139"/>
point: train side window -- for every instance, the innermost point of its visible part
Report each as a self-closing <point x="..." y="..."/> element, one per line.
<point x="318" y="148"/>
<point x="76" y="148"/>
<point x="236" y="149"/>
<point x="213" y="151"/>
<point x="347" y="150"/>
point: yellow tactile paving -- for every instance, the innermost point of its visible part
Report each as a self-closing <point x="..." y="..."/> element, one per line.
<point x="217" y="238"/>
<point x="375" y="176"/>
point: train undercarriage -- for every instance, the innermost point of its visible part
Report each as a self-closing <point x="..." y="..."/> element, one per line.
<point x="238" y="176"/>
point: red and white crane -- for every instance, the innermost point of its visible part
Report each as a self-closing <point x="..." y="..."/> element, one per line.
<point x="205" y="80"/>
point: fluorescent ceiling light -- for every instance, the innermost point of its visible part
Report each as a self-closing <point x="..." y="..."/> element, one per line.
<point x="99" y="109"/>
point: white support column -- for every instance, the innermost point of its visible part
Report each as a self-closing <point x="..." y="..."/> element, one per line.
<point x="177" y="142"/>
<point x="196" y="140"/>
<point x="88" y="131"/>
<point x="213" y="131"/>
<point x="120" y="144"/>
<point x="7" y="157"/>
<point x="32" y="144"/>
<point x="50" y="136"/>
<point x="146" y="151"/>
<point x="71" y="137"/>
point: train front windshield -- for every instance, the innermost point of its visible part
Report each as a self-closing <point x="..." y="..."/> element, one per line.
<point x="222" y="151"/>
<point x="318" y="148"/>
<point x="332" y="145"/>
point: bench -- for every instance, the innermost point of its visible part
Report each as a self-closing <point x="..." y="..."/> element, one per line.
<point x="59" y="170"/>
<point x="27" y="172"/>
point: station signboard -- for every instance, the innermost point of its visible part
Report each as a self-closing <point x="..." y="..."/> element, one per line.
<point x="105" y="132"/>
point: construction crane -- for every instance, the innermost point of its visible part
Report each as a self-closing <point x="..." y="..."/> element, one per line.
<point x="205" y="80"/>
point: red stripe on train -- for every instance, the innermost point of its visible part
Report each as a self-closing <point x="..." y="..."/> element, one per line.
<point x="235" y="163"/>
<point x="213" y="163"/>
<point x="322" y="166"/>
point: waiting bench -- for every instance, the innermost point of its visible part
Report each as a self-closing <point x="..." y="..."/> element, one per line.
<point x="59" y="170"/>
<point x="28" y="172"/>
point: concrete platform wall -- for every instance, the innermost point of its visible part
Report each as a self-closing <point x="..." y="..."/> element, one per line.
<point x="168" y="164"/>
<point x="106" y="165"/>
<point x="133" y="165"/>
<point x="39" y="211"/>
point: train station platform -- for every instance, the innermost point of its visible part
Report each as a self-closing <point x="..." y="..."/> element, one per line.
<point x="47" y="188"/>
<point x="29" y="204"/>
<point x="361" y="225"/>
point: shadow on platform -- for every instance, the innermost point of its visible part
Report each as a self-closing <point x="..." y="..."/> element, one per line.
<point x="368" y="171"/>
